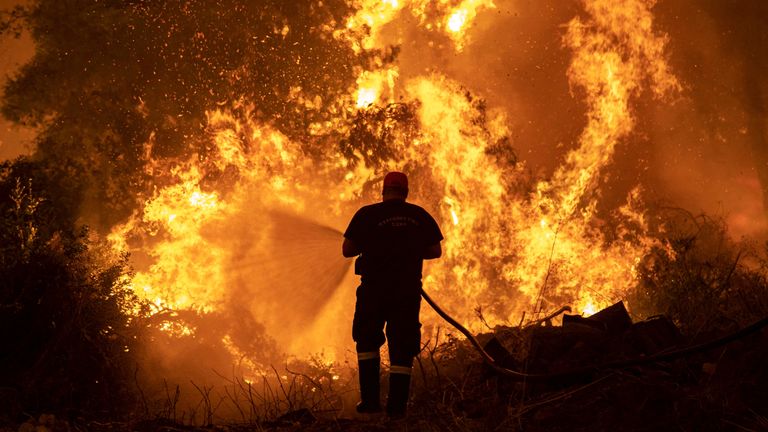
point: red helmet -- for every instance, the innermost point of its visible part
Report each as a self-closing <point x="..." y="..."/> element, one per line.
<point x="396" y="180"/>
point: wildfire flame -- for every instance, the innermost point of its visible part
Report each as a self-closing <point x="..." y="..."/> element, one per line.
<point x="365" y="28"/>
<point x="508" y="247"/>
<point x="372" y="85"/>
<point x="461" y="16"/>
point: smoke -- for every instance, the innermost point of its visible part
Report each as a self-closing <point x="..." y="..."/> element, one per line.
<point x="286" y="270"/>
<point x="250" y="210"/>
<point x="712" y="149"/>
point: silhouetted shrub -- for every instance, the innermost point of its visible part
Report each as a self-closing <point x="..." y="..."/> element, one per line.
<point x="66" y="335"/>
<point x="701" y="278"/>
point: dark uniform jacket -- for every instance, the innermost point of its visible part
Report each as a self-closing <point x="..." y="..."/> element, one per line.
<point x="392" y="237"/>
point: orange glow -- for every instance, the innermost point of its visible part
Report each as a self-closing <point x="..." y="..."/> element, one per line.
<point x="457" y="20"/>
<point x="372" y="85"/>
<point x="512" y="248"/>
<point x="372" y="15"/>
<point x="460" y="18"/>
<point x="365" y="28"/>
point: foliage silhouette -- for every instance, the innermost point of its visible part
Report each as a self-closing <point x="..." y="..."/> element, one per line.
<point x="68" y="342"/>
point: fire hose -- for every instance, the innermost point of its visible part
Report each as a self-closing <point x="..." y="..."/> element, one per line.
<point x="611" y="365"/>
<point x="616" y="364"/>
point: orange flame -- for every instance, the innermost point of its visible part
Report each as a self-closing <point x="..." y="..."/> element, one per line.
<point x="508" y="247"/>
<point x="365" y="29"/>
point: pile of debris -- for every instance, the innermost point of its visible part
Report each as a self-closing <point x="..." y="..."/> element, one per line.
<point x="581" y="344"/>
<point x="604" y="372"/>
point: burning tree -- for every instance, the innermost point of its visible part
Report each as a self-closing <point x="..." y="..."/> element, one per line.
<point x="224" y="144"/>
<point x="107" y="79"/>
<point x="192" y="128"/>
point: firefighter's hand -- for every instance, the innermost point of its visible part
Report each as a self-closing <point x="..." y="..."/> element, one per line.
<point x="349" y="248"/>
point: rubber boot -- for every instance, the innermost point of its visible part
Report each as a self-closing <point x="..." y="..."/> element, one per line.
<point x="369" y="386"/>
<point x="399" y="387"/>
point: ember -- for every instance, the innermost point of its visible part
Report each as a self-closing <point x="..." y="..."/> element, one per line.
<point x="509" y="248"/>
<point x="221" y="147"/>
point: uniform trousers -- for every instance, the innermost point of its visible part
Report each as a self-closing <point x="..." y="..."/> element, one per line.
<point x="391" y="308"/>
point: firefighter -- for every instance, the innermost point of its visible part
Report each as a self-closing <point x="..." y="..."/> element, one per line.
<point x="390" y="239"/>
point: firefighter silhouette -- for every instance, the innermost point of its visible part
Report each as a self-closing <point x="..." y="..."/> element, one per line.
<point x="390" y="239"/>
